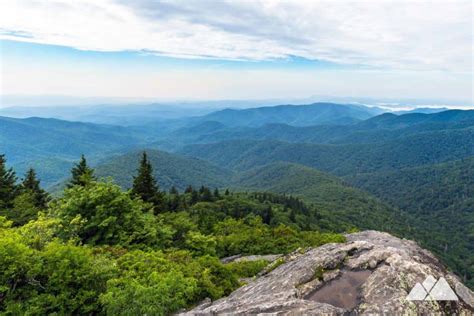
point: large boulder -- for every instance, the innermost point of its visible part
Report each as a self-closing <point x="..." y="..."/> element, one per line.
<point x="371" y="273"/>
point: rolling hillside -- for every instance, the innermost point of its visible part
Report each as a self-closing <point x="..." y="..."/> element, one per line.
<point x="433" y="187"/>
<point x="169" y="169"/>
<point x="23" y="139"/>
<point x="340" y="204"/>
<point x="416" y="150"/>
<point x="342" y="207"/>
<point x="346" y="206"/>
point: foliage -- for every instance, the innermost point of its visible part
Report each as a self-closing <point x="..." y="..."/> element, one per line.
<point x="24" y="208"/>
<point x="60" y="278"/>
<point x="144" y="184"/>
<point x="8" y="188"/>
<point x="106" y="215"/>
<point x="100" y="250"/>
<point x="32" y="185"/>
<point x="247" y="269"/>
<point x="81" y="174"/>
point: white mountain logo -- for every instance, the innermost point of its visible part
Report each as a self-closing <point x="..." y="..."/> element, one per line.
<point x="432" y="290"/>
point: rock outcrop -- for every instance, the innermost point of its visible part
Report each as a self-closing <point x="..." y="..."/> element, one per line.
<point x="371" y="273"/>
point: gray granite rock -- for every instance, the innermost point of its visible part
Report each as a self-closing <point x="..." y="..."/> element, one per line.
<point x="371" y="273"/>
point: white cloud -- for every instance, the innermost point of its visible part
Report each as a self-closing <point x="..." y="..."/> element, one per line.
<point x="424" y="35"/>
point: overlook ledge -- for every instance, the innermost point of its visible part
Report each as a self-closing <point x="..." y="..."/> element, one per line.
<point x="372" y="273"/>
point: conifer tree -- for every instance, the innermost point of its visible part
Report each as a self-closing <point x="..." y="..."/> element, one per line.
<point x="194" y="197"/>
<point x="144" y="184"/>
<point x="8" y="187"/>
<point x="32" y="185"/>
<point x="81" y="173"/>
<point x="267" y="215"/>
<point x="292" y="215"/>
<point x="206" y="194"/>
<point x="217" y="195"/>
<point x="173" y="190"/>
<point x="189" y="189"/>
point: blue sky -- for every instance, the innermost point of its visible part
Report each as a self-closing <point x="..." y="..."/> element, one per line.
<point x="237" y="50"/>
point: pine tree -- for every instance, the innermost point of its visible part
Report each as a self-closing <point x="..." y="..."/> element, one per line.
<point x="226" y="192"/>
<point x="81" y="174"/>
<point x="189" y="189"/>
<point x="32" y="185"/>
<point x="194" y="197"/>
<point x="8" y="187"/>
<point x="267" y="215"/>
<point x="173" y="190"/>
<point x="292" y="216"/>
<point x="144" y="184"/>
<point x="217" y="195"/>
<point x="206" y="194"/>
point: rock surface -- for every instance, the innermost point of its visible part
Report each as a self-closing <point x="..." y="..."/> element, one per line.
<point x="240" y="258"/>
<point x="372" y="273"/>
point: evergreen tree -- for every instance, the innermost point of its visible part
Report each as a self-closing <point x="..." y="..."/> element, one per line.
<point x="189" y="189"/>
<point x="8" y="187"/>
<point x="217" y="195"/>
<point x="173" y="190"/>
<point x="32" y="185"/>
<point x="144" y="184"/>
<point x="267" y="215"/>
<point x="206" y="194"/>
<point x="226" y="192"/>
<point x="81" y="174"/>
<point x="174" y="202"/>
<point x="194" y="197"/>
<point x="292" y="215"/>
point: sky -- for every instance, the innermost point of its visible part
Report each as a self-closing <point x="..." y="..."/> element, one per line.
<point x="209" y="50"/>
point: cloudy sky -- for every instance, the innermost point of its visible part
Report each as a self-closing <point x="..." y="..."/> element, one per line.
<point x="238" y="49"/>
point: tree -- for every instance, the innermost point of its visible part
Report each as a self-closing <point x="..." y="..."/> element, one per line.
<point x="32" y="185"/>
<point x="81" y="173"/>
<point x="144" y="184"/>
<point x="108" y="216"/>
<point x="24" y="209"/>
<point x="173" y="190"/>
<point x="217" y="195"/>
<point x="205" y="194"/>
<point x="8" y="187"/>
<point x="200" y="244"/>
<point x="292" y="216"/>
<point x="267" y="215"/>
<point x="189" y="189"/>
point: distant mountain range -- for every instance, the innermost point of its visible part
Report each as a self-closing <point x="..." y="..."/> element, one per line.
<point x="410" y="174"/>
<point x="52" y="145"/>
<point x="296" y="115"/>
<point x="383" y="127"/>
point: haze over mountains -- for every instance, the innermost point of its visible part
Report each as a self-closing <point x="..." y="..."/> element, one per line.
<point x="410" y="174"/>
